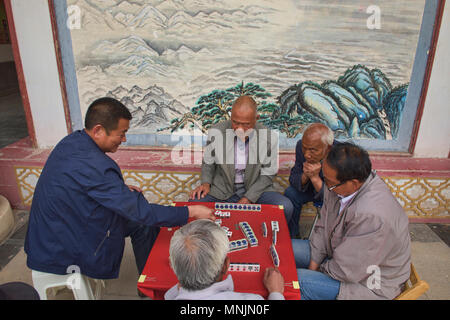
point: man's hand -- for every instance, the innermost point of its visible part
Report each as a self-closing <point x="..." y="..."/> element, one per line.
<point x="244" y="200"/>
<point x="312" y="169"/>
<point x="273" y="280"/>
<point x="201" y="191"/>
<point x="313" y="266"/>
<point x="201" y="212"/>
<point x="134" y="188"/>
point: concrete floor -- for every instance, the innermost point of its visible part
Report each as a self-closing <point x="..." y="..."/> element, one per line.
<point x="430" y="256"/>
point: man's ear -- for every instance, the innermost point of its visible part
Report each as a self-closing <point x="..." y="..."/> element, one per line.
<point x="356" y="184"/>
<point x="98" y="131"/>
<point x="226" y="265"/>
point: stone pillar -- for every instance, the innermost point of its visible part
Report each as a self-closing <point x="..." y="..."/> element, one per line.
<point x="6" y="219"/>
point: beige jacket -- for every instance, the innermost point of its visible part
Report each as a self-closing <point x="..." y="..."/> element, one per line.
<point x="367" y="244"/>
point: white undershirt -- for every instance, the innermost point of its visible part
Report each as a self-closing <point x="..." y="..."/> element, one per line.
<point x="345" y="200"/>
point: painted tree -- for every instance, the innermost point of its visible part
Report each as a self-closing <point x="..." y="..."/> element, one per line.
<point x="213" y="108"/>
<point x="216" y="106"/>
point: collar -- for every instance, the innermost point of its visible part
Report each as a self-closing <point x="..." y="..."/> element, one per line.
<point x="218" y="287"/>
<point x="250" y="136"/>
<point x="346" y="199"/>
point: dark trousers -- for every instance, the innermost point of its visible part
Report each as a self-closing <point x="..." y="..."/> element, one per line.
<point x="142" y="239"/>
<point x="298" y="199"/>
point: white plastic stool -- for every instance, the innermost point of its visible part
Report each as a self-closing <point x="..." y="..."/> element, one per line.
<point x="78" y="283"/>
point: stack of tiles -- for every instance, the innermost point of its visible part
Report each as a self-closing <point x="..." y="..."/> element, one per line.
<point x="244" y="267"/>
<point x="274" y="237"/>
<point x="274" y="254"/>
<point x="275" y="226"/>
<point x="275" y="229"/>
<point x="227" y="230"/>
<point x="222" y="214"/>
<point x="238" y="245"/>
<point x="264" y="229"/>
<point x="236" y="206"/>
<point x="249" y="234"/>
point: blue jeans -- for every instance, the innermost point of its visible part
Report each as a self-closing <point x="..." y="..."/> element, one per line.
<point x="142" y="239"/>
<point x="298" y="199"/>
<point x="269" y="197"/>
<point x="314" y="285"/>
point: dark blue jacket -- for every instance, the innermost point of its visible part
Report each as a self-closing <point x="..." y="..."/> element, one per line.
<point x="296" y="175"/>
<point x="80" y="208"/>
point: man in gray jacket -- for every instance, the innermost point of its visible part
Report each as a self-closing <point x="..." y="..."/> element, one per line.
<point x="240" y="161"/>
<point x="360" y="246"/>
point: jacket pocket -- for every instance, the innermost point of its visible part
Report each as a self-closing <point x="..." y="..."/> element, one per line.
<point x="108" y="233"/>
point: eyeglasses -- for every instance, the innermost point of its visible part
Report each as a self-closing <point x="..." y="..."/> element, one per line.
<point x="336" y="185"/>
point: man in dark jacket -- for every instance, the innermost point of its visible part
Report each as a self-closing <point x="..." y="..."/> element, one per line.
<point x="82" y="210"/>
<point x="306" y="178"/>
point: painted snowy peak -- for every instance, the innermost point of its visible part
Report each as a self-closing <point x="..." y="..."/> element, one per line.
<point x="135" y="56"/>
<point x="151" y="108"/>
<point x="168" y="15"/>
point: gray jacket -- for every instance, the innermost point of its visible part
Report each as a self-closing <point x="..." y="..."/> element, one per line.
<point x="223" y="290"/>
<point x="368" y="240"/>
<point x="218" y="162"/>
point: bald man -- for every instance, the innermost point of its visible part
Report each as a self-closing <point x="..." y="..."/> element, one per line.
<point x="240" y="161"/>
<point x="306" y="179"/>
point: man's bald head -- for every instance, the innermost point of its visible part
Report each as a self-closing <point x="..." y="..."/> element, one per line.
<point x="319" y="131"/>
<point x="244" y="113"/>
<point x="316" y="142"/>
<point x="245" y="104"/>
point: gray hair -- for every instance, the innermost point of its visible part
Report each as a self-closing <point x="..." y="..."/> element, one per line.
<point x="197" y="254"/>
<point x="327" y="135"/>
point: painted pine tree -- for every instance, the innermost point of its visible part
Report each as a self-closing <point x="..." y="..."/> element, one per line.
<point x="216" y="106"/>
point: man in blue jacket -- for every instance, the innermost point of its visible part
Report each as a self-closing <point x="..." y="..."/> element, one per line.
<point x="306" y="178"/>
<point x="82" y="210"/>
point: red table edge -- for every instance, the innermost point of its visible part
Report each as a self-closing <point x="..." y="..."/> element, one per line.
<point x="154" y="293"/>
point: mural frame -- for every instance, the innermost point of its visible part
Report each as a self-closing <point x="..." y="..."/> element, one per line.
<point x="409" y="126"/>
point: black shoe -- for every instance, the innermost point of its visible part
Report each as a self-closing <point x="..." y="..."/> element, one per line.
<point x="140" y="294"/>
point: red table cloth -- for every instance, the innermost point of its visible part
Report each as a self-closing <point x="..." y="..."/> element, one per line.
<point x="158" y="277"/>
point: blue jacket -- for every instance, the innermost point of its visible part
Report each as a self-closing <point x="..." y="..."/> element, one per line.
<point x="296" y="175"/>
<point x="80" y="209"/>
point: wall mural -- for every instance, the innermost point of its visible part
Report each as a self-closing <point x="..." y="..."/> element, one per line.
<point x="178" y="65"/>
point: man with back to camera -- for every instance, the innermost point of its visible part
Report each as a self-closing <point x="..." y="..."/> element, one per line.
<point x="360" y="246"/>
<point x="198" y="256"/>
<point x="306" y="178"/>
<point x="235" y="167"/>
<point x="82" y="210"/>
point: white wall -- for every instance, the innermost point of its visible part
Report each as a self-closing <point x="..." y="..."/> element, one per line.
<point x="433" y="140"/>
<point x="36" y="46"/>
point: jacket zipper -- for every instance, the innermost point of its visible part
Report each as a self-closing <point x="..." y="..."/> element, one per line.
<point x="101" y="243"/>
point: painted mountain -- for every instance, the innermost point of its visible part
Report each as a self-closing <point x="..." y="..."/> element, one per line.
<point x="191" y="48"/>
<point x="151" y="108"/>
<point x="360" y="104"/>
